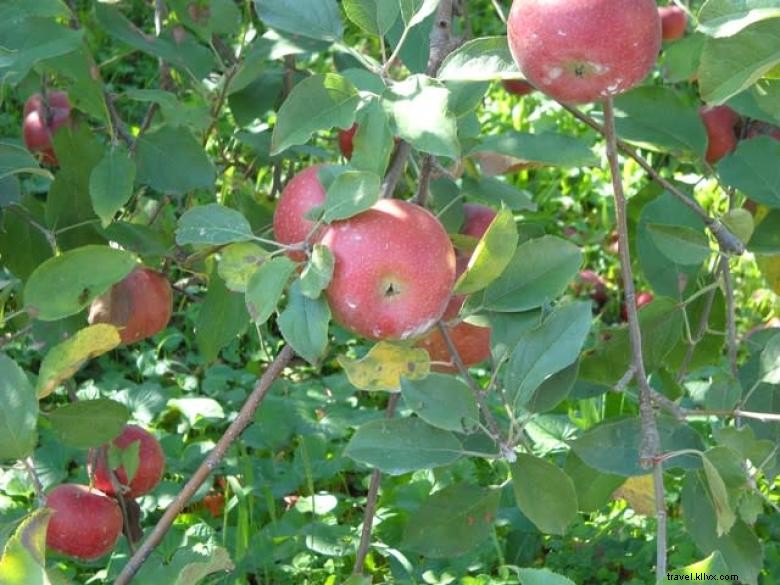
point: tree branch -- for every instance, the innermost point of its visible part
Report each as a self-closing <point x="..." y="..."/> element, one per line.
<point x="211" y="462"/>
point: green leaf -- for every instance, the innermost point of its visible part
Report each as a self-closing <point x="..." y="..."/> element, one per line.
<point x="111" y="183"/>
<point x="492" y="254"/>
<point x="373" y="16"/>
<point x="443" y="401"/>
<point x="170" y="160"/>
<point x="554" y="389"/>
<point x="453" y="521"/>
<point x="217" y="561"/>
<point x="316" y="19"/>
<point x="65" y="359"/>
<point x="681" y="244"/>
<point x="19" y="415"/>
<point x="483" y="59"/>
<point x="373" y="142"/>
<point x="732" y="64"/>
<point x="766" y="239"/>
<point x="594" y="488"/>
<point x="398" y="446"/>
<point x="740" y="223"/>
<point x="15" y="159"/>
<point x="753" y="169"/>
<point x="682" y="57"/>
<point x="495" y="191"/>
<point x="89" y="423"/>
<point x="542" y="577"/>
<point x="660" y="119"/>
<point x="304" y="324"/>
<point x="713" y="564"/>
<point x="64" y="285"/>
<point x="24" y="557"/>
<point x="725" y="18"/>
<point x="350" y="193"/>
<point x="724" y="514"/>
<point x="238" y="262"/>
<point x="546" y="350"/>
<point x="265" y="287"/>
<point x="318" y="272"/>
<point x="420" y="107"/>
<point x="539" y="271"/>
<point x="614" y="446"/>
<point x="222" y="317"/>
<point x="213" y="225"/>
<point x="770" y="361"/>
<point x="546" y="149"/>
<point x="319" y="102"/>
<point x="544" y="493"/>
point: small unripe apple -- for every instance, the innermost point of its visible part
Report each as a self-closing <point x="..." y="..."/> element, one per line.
<point x="518" y="87"/>
<point x="151" y="464"/>
<point x="346" y="138"/>
<point x="302" y="193"/>
<point x="579" y="51"/>
<point x="393" y="272"/>
<point x="41" y="122"/>
<point x="720" y="123"/>
<point x="642" y="298"/>
<point x="139" y="306"/>
<point x="673" y="22"/>
<point x="85" y="523"/>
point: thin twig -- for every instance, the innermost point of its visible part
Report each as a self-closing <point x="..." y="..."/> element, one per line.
<point x="211" y="462"/>
<point x="423" y="187"/>
<point x="731" y="317"/>
<point x="36" y="481"/>
<point x="760" y="416"/>
<point x="117" y="123"/>
<point x="371" y="500"/>
<point x="119" y="495"/>
<point x="8" y="338"/>
<point x="702" y="331"/>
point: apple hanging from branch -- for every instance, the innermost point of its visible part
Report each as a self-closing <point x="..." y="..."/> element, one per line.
<point x="42" y="118"/>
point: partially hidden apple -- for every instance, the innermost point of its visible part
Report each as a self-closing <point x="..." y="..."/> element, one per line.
<point x="393" y="272"/>
<point x="42" y="119"/>
<point x="151" y="464"/>
<point x="720" y="122"/>
<point x="594" y="285"/>
<point x="518" y="87"/>
<point x="642" y="298"/>
<point x="302" y="193"/>
<point x="579" y="51"/>
<point x="346" y="138"/>
<point x="139" y="306"/>
<point x="85" y="523"/>
<point x="673" y="22"/>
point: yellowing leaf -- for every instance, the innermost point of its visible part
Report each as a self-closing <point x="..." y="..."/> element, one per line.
<point x="382" y="367"/>
<point x="23" y="559"/>
<point x="66" y="359"/>
<point x="770" y="268"/>
<point x="238" y="262"/>
<point x="638" y="492"/>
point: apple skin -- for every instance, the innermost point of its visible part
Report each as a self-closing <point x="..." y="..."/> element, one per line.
<point x="673" y="22"/>
<point x="579" y="51"/>
<point x="393" y="272"/>
<point x="518" y="87"/>
<point x="301" y="194"/>
<point x="720" y="123"/>
<point x="150" y="467"/>
<point x="38" y="128"/>
<point x="642" y="298"/>
<point x="346" y="137"/>
<point x="139" y="306"/>
<point x="85" y="524"/>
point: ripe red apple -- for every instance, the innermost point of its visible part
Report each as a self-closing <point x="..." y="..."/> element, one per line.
<point x="85" y="524"/>
<point x="720" y="123"/>
<point x="477" y="219"/>
<point x="393" y="273"/>
<point x="151" y="464"/>
<point x="518" y="87"/>
<point x="140" y="305"/>
<point x="642" y="298"/>
<point x="345" y="141"/>
<point x="303" y="193"/>
<point x="593" y="284"/>
<point x="579" y="51"/>
<point x="673" y="22"/>
<point x="41" y="122"/>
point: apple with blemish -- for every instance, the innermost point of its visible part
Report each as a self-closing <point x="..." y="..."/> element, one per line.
<point x="720" y="122"/>
<point x="394" y="268"/>
<point x="579" y="51"/>
<point x="673" y="22"/>
<point x="302" y="193"/>
<point x="42" y="119"/>
<point x="151" y="464"/>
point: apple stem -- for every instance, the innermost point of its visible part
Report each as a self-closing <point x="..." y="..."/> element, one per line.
<point x="651" y="442"/>
<point x="371" y="499"/>
<point x="212" y="461"/>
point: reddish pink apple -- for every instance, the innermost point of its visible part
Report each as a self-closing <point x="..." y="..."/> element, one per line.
<point x="85" y="523"/>
<point x="593" y="284"/>
<point x="518" y="87"/>
<point x="579" y="51"/>
<point x="346" y="138"/>
<point x="721" y="125"/>
<point x="477" y="219"/>
<point x="303" y="193"/>
<point x="393" y="273"/>
<point x="151" y="464"/>
<point x="42" y="119"/>
<point x="642" y="298"/>
<point x="673" y="22"/>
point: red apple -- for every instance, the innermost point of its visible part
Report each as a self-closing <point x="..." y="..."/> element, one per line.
<point x="85" y="524"/>
<point x="345" y="141"/>
<point x="150" y="467"/>
<point x="596" y="287"/>
<point x="140" y="305"/>
<point x="518" y="87"/>
<point x="673" y="22"/>
<point x="477" y="219"/>
<point x="642" y="298"/>
<point x="393" y="273"/>
<point x="303" y="193"/>
<point x="579" y="51"/>
<point x="720" y="123"/>
<point x="41" y="122"/>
